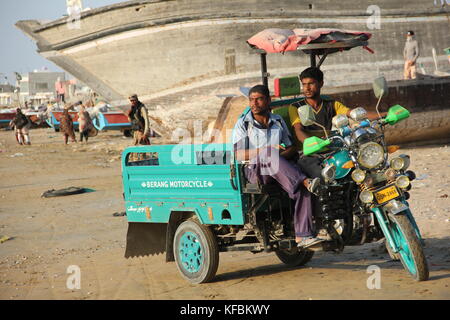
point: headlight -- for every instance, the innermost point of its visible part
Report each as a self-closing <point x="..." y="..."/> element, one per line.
<point x="402" y="182"/>
<point x="358" y="175"/>
<point x="397" y="163"/>
<point x="366" y="196"/>
<point x="371" y="155"/>
<point x="400" y="163"/>
<point x="390" y="174"/>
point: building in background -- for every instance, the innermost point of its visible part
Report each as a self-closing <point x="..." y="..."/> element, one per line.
<point x="35" y="91"/>
<point x="7" y="94"/>
<point x="38" y="87"/>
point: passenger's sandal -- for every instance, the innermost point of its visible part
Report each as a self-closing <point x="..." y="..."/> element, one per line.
<point x="308" y="242"/>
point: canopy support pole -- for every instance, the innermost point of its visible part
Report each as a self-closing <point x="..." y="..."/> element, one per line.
<point x="322" y="59"/>
<point x="264" y="73"/>
<point x="312" y="57"/>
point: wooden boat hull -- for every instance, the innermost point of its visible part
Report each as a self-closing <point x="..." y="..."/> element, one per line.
<point x="5" y="118"/>
<point x="111" y="121"/>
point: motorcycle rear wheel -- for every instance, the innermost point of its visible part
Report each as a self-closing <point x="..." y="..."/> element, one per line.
<point x="410" y="248"/>
<point x="294" y="257"/>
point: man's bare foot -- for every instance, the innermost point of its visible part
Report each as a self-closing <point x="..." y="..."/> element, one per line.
<point x="311" y="184"/>
<point x="307" y="182"/>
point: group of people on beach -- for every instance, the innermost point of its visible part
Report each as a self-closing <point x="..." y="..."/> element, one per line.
<point x="137" y="115"/>
<point x="85" y="124"/>
<point x="21" y="124"/>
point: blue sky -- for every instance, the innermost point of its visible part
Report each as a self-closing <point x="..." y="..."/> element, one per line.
<point x="18" y="51"/>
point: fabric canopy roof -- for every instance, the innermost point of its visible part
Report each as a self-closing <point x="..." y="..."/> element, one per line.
<point x="282" y="40"/>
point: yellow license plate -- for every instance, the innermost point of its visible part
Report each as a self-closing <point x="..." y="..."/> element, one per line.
<point x="386" y="194"/>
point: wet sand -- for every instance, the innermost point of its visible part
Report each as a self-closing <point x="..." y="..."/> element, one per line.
<point x="48" y="235"/>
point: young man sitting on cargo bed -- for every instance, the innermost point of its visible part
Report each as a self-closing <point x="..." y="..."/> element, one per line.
<point x="263" y="139"/>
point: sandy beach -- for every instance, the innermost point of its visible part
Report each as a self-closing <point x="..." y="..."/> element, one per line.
<point x="48" y="235"/>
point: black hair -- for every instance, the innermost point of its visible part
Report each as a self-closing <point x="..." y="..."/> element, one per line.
<point x="410" y="32"/>
<point x="260" y="88"/>
<point x="312" y="72"/>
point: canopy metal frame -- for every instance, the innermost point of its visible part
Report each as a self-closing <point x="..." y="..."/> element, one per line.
<point x="314" y="50"/>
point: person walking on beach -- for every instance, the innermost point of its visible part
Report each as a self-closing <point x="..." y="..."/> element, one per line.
<point x="66" y="125"/>
<point x="60" y="90"/>
<point x="138" y="117"/>
<point x="85" y="124"/>
<point x="21" y="125"/>
<point x="410" y="55"/>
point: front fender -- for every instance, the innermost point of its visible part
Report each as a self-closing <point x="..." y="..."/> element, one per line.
<point x="402" y="207"/>
<point x="414" y="224"/>
<point x="384" y="225"/>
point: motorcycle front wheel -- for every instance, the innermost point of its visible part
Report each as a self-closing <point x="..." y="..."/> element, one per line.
<point x="410" y="248"/>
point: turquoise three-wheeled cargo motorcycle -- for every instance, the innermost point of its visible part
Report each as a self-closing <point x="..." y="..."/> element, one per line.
<point x="192" y="201"/>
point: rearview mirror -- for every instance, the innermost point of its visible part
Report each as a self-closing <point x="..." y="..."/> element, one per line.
<point x="306" y="114"/>
<point x="307" y="118"/>
<point x="380" y="87"/>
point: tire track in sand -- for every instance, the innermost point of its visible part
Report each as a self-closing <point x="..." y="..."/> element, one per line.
<point x="33" y="284"/>
<point x="122" y="283"/>
<point x="150" y="283"/>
